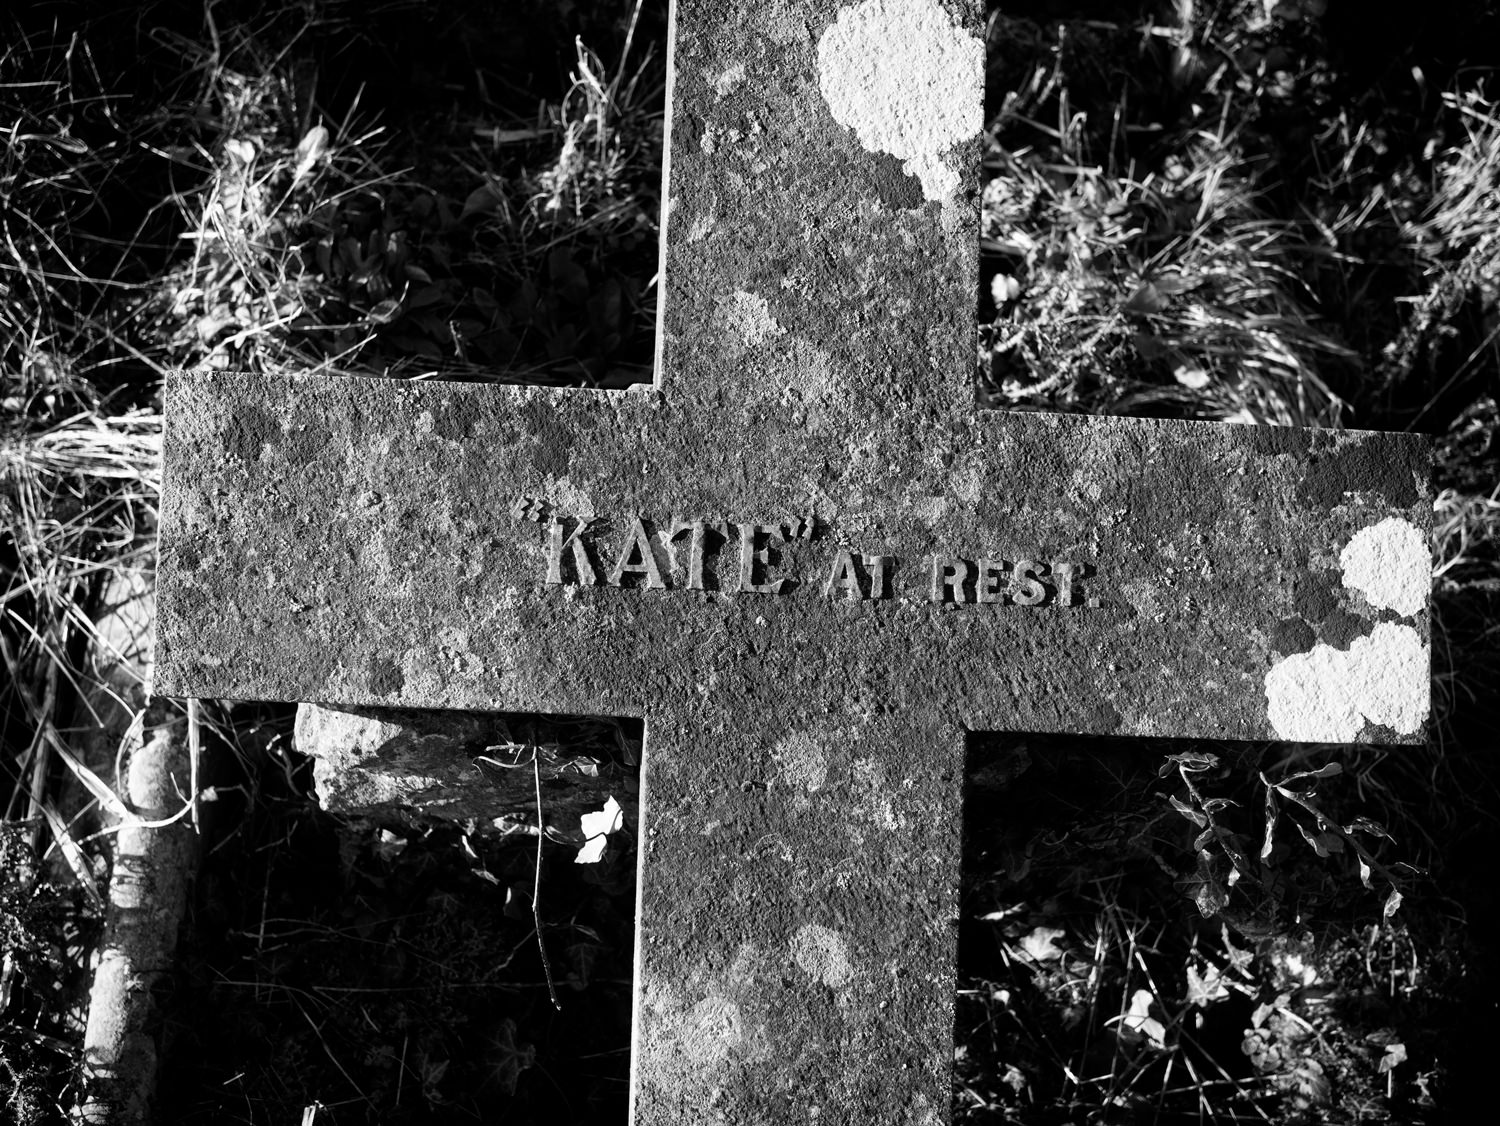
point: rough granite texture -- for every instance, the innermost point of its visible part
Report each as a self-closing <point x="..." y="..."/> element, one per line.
<point x="352" y="541"/>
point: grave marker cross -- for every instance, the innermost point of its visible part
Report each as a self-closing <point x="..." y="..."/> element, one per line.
<point x="803" y="556"/>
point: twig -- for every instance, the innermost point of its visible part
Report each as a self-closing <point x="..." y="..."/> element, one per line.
<point x="39" y="763"/>
<point x="536" y="890"/>
<point x="195" y="747"/>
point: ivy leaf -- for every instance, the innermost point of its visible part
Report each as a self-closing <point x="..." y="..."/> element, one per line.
<point x="511" y="1058"/>
<point x="1203" y="989"/>
<point x="1392" y="903"/>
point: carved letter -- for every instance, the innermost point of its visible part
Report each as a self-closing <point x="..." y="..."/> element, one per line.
<point x="1069" y="578"/>
<point x="699" y="529"/>
<point x="1063" y="573"/>
<point x="949" y="573"/>
<point x="877" y="565"/>
<point x="845" y="577"/>
<point x="750" y="555"/>
<point x="583" y="566"/>
<point x="637" y="542"/>
<point x="987" y="587"/>
<point x="1025" y="590"/>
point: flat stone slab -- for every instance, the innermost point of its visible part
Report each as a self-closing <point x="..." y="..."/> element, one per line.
<point x="389" y="543"/>
<point x="803" y="556"/>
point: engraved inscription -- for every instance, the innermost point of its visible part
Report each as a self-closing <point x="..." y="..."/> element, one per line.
<point x="697" y="545"/>
<point x="1025" y="587"/>
<point x="558" y="542"/>
<point x="690" y="547"/>
<point x="636" y="558"/>
<point x="757" y="557"/>
<point x="950" y="576"/>
<point x="858" y="576"/>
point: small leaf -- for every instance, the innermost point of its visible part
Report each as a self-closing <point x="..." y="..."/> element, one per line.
<point x="1327" y="770"/>
<point x="1365" y="825"/>
<point x="1211" y="895"/>
<point x="1146" y="299"/>
<point x="1194" y="761"/>
<point x="1392" y="903"/>
<point x="483" y="200"/>
<point x="310" y="150"/>
<point x="386" y="311"/>
<point x="1041" y="944"/>
<point x="1187" y="811"/>
<point x="1394" y="1054"/>
<point x="1270" y="843"/>
<point x="596" y="828"/>
<point x="1324" y="844"/>
<point x="1139" y="1020"/>
<point x="1205" y="988"/>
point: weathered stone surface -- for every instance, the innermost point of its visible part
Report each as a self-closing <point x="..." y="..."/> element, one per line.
<point x="390" y="544"/>
<point x="461" y="765"/>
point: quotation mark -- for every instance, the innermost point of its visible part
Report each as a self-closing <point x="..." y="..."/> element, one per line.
<point x="528" y="508"/>
<point x="801" y="528"/>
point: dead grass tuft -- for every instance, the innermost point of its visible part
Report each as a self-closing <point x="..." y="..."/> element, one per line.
<point x="319" y="246"/>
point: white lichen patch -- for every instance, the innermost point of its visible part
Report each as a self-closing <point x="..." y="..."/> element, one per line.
<point x="726" y="83"/>
<point x="568" y="499"/>
<point x="871" y="797"/>
<point x="712" y="1030"/>
<point x="701" y="227"/>
<point x="1142" y="596"/>
<point x="689" y="1044"/>
<point x="811" y="373"/>
<point x="907" y="80"/>
<point x="1389" y="564"/>
<point x="802" y="762"/>
<point x="1327" y="694"/>
<point x="748" y="317"/>
<point x="822" y="955"/>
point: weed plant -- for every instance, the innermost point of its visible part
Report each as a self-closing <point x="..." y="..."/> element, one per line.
<point x="1226" y="209"/>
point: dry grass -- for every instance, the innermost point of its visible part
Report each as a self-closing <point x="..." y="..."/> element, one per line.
<point x="319" y="246"/>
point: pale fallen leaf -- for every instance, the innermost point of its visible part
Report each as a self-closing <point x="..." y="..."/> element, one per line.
<point x="1394" y="1054"/>
<point x="1139" y="1020"/>
<point x="1041" y="944"/>
<point x="596" y="828"/>
<point x="310" y="150"/>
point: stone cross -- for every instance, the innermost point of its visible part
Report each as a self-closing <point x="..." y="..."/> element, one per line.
<point x="803" y="555"/>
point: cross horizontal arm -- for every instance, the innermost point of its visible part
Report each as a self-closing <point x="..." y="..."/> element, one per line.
<point x="515" y="548"/>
